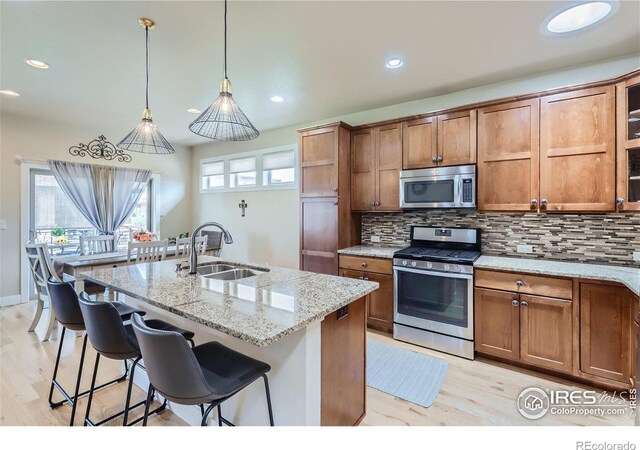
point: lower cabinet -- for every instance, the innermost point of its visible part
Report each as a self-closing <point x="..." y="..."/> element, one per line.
<point x="497" y="323"/>
<point x="379" y="302"/>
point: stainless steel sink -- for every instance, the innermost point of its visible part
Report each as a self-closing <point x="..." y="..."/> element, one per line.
<point x="234" y="274"/>
<point x="214" y="268"/>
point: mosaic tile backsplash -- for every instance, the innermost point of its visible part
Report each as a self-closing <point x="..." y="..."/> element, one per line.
<point x="594" y="238"/>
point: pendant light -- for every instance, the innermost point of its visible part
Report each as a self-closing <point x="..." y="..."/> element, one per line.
<point x="146" y="138"/>
<point x="224" y="120"/>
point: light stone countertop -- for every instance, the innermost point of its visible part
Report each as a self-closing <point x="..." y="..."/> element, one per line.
<point x="629" y="276"/>
<point x="372" y="251"/>
<point x="261" y="309"/>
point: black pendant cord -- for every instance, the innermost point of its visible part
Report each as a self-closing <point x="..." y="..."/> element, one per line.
<point x="225" y="39"/>
<point x="146" y="31"/>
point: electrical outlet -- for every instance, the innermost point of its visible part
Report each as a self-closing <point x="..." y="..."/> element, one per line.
<point x="375" y="238"/>
<point x="636" y="256"/>
<point x="522" y="248"/>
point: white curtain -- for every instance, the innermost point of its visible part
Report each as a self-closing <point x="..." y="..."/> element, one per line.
<point x="104" y="195"/>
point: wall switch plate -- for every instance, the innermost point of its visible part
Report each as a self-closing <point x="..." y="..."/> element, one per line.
<point x="3" y="224"/>
<point x="636" y="256"/>
<point x="522" y="248"/>
<point x="375" y="238"/>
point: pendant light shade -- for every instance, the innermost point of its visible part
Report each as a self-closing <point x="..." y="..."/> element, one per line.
<point x="224" y="120"/>
<point x="146" y="138"/>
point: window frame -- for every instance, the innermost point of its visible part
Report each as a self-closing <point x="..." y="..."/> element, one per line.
<point x="259" y="186"/>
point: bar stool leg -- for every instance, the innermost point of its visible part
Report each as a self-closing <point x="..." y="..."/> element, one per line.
<point x="146" y="406"/>
<point x="266" y="388"/>
<point x="93" y="385"/>
<point x="75" y="396"/>
<point x="128" y="401"/>
<point x="219" y="416"/>
<point x="203" y="423"/>
<point x="55" y="371"/>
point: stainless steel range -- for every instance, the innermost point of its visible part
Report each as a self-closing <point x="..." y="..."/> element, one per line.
<point x="433" y="289"/>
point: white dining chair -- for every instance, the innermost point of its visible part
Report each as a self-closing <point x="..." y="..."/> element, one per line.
<point x="42" y="269"/>
<point x="95" y="245"/>
<point x="148" y="251"/>
<point x="183" y="246"/>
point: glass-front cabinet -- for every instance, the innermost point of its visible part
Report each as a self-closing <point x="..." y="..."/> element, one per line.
<point x="628" y="144"/>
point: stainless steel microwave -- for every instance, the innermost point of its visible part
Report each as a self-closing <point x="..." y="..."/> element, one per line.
<point x="439" y="187"/>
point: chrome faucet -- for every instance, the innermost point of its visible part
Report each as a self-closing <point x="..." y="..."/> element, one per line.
<point x="193" y="262"/>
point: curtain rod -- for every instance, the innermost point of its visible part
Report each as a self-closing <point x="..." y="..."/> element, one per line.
<point x="22" y="160"/>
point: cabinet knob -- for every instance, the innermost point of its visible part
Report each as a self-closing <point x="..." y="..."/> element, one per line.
<point x="439" y="158"/>
<point x="335" y="189"/>
<point x="366" y="279"/>
<point x="619" y="200"/>
<point x="534" y="201"/>
<point x="364" y="264"/>
<point x="434" y="159"/>
<point x="519" y="283"/>
<point x="525" y="304"/>
<point x="335" y="203"/>
<point x="372" y="203"/>
<point x="544" y="202"/>
<point x="515" y="302"/>
<point x="377" y="204"/>
<point x="361" y="278"/>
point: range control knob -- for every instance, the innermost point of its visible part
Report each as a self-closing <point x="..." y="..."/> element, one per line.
<point x="446" y="267"/>
<point x="456" y="269"/>
<point x="404" y="262"/>
<point x="413" y="263"/>
<point x="429" y="265"/>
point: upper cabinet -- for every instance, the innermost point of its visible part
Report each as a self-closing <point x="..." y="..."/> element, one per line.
<point x="319" y="155"/>
<point x="628" y="144"/>
<point x="508" y="156"/>
<point x="577" y="150"/>
<point x="444" y="140"/>
<point x="376" y="160"/>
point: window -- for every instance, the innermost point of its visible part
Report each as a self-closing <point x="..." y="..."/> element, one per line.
<point x="278" y="168"/>
<point x="271" y="168"/>
<point x="242" y="172"/>
<point x="213" y="175"/>
<point x="53" y="217"/>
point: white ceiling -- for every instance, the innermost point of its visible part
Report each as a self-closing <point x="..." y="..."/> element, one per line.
<point x="325" y="58"/>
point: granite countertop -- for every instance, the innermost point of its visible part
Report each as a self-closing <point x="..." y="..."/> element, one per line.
<point x="371" y="251"/>
<point x="629" y="276"/>
<point x="261" y="309"/>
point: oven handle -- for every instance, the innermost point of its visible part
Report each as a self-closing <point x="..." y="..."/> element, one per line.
<point x="467" y="276"/>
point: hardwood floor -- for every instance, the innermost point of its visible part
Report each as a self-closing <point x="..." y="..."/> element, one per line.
<point x="474" y="392"/>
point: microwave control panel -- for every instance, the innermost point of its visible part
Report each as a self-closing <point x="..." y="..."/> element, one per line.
<point x="467" y="190"/>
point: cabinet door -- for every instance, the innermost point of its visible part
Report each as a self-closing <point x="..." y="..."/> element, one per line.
<point x="605" y="331"/>
<point x="577" y="150"/>
<point x="497" y="323"/>
<point x="388" y="166"/>
<point x="508" y="157"/>
<point x="419" y="138"/>
<point x="319" y="235"/>
<point x="319" y="162"/>
<point x="363" y="170"/>
<point x="546" y="330"/>
<point x="380" y="303"/>
<point x="628" y="145"/>
<point x="457" y="138"/>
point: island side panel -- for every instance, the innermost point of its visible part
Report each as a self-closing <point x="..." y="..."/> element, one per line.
<point x="343" y="386"/>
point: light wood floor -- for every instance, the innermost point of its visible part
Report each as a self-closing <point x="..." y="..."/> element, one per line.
<point x="473" y="393"/>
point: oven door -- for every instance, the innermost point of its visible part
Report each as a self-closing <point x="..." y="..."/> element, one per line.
<point x="436" y="301"/>
<point x="430" y="192"/>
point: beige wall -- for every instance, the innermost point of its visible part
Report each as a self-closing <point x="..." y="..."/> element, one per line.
<point x="269" y="232"/>
<point x="34" y="139"/>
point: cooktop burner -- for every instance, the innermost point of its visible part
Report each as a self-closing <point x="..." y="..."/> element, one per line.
<point x="438" y="254"/>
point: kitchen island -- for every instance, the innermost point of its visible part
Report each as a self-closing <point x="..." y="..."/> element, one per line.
<point x="310" y="328"/>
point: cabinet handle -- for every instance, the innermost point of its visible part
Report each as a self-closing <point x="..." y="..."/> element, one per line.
<point x="439" y="158"/>
<point x="364" y="264"/>
<point x="534" y="201"/>
<point x="525" y="304"/>
<point x="515" y="302"/>
<point x="434" y="159"/>
<point x="544" y="202"/>
<point x="519" y="283"/>
<point x="619" y="200"/>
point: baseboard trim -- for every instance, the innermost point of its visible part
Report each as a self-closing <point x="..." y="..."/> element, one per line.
<point x="9" y="300"/>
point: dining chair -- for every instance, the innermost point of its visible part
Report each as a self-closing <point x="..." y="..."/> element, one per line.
<point x="183" y="246"/>
<point x="95" y="245"/>
<point x="149" y="251"/>
<point x="42" y="270"/>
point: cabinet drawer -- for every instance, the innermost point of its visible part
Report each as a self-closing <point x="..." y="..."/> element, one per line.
<point x="367" y="264"/>
<point x="531" y="284"/>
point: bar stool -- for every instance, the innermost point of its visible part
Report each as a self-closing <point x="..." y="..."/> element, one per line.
<point x="111" y="338"/>
<point x="64" y="301"/>
<point x="208" y="373"/>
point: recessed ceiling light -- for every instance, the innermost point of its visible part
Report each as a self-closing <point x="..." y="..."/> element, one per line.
<point x="394" y="63"/>
<point x="193" y="111"/>
<point x="277" y="99"/>
<point x="9" y="93"/>
<point x="37" y="64"/>
<point x="578" y="16"/>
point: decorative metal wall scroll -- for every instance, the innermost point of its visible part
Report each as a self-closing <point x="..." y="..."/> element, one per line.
<point x="100" y="149"/>
<point x="243" y="205"/>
